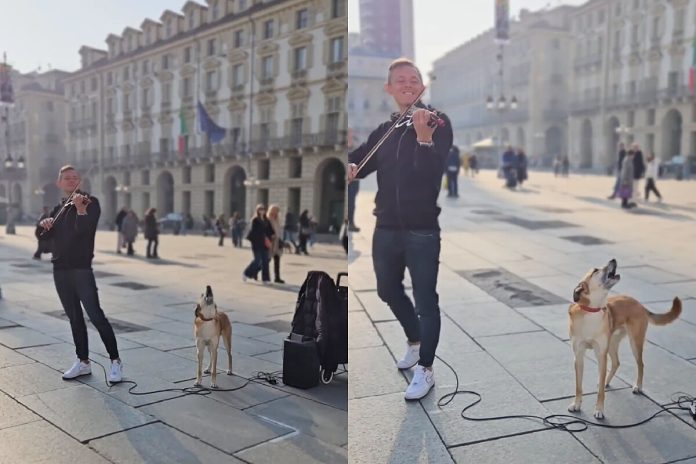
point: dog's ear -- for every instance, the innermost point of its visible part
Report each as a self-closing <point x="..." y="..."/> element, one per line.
<point x="579" y="290"/>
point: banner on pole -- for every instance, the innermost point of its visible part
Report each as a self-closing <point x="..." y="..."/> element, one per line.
<point x="502" y="21"/>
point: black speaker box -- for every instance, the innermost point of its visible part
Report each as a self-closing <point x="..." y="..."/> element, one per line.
<point x="300" y="362"/>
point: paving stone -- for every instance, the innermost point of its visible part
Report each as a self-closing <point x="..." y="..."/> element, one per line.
<point x="388" y="429"/>
<point x="5" y="323"/>
<point x="652" y="274"/>
<point x="333" y="394"/>
<point x="55" y="446"/>
<point x="298" y="448"/>
<point x="201" y="417"/>
<point x="545" y="367"/>
<point x="247" y="330"/>
<point x="482" y="319"/>
<point x="377" y="309"/>
<point x="499" y="397"/>
<point x="373" y="372"/>
<point x="518" y="449"/>
<point x="160" y="340"/>
<point x="677" y="337"/>
<point x="253" y="394"/>
<point x="85" y="413"/>
<point x="158" y="444"/>
<point x="28" y="379"/>
<point x="248" y="346"/>
<point x="553" y="318"/>
<point x="664" y="373"/>
<point x="60" y="356"/>
<point x="272" y="356"/>
<point x="13" y="413"/>
<point x="330" y="425"/>
<point x="20" y="337"/>
<point x="276" y="338"/>
<point x="362" y="332"/>
<point x="10" y="357"/>
<point x="145" y="384"/>
<point x="663" y="439"/>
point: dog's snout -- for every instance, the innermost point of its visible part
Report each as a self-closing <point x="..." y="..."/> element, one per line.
<point x="208" y="291"/>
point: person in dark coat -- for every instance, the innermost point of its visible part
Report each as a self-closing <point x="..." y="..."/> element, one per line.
<point x="44" y="244"/>
<point x="129" y="228"/>
<point x="619" y="163"/>
<point x="521" y="166"/>
<point x="119" y="225"/>
<point x="305" y="232"/>
<point x="454" y="164"/>
<point x="638" y="170"/>
<point x="151" y="233"/>
<point x="260" y="235"/>
<point x="509" y="165"/>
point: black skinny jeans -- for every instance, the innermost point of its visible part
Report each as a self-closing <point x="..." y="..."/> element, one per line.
<point x="77" y="286"/>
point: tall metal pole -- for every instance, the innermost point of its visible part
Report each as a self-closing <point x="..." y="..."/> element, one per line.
<point x="10" y="227"/>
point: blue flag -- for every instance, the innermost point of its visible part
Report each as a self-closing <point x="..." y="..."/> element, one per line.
<point x="215" y="133"/>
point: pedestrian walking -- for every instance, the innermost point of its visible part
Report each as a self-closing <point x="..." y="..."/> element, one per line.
<point x="619" y="164"/>
<point x="221" y="228"/>
<point x="118" y="221"/>
<point x="521" y="166"/>
<point x="305" y="231"/>
<point x="651" y="174"/>
<point x="276" y="250"/>
<point x="626" y="181"/>
<point x="130" y="230"/>
<point x="638" y="171"/>
<point x="151" y="233"/>
<point x="290" y="229"/>
<point x="453" y="166"/>
<point x="260" y="234"/>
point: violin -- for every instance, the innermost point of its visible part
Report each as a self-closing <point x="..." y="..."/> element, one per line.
<point x="435" y="119"/>
<point x="86" y="198"/>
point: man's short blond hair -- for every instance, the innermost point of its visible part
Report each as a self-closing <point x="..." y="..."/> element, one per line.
<point x="400" y="63"/>
<point x="67" y="167"/>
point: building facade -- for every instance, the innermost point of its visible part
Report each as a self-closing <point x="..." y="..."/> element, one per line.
<point x="584" y="77"/>
<point x="35" y="125"/>
<point x="272" y="73"/>
<point x="386" y="27"/>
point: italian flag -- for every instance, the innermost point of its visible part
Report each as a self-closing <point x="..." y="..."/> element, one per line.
<point x="692" y="70"/>
<point x="183" y="133"/>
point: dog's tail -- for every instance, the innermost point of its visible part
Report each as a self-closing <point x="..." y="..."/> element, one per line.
<point x="666" y="318"/>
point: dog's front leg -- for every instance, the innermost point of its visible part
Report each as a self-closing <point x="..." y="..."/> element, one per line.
<point x="213" y="363"/>
<point x="601" y="353"/>
<point x="200" y="347"/>
<point x="579" y="350"/>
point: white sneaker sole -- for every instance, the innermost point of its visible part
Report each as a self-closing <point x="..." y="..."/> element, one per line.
<point x="76" y="376"/>
<point x="416" y="398"/>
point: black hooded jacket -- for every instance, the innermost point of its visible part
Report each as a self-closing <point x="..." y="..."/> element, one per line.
<point x="72" y="236"/>
<point x="409" y="176"/>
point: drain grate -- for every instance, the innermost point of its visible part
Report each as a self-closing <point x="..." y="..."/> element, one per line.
<point x="118" y="325"/>
<point x="536" y="225"/>
<point x="277" y="325"/>
<point x="509" y="288"/>
<point x="132" y="285"/>
<point x="587" y="240"/>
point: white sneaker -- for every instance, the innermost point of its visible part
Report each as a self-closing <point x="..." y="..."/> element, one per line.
<point x="423" y="380"/>
<point x="411" y="357"/>
<point x="78" y="368"/>
<point x="116" y="373"/>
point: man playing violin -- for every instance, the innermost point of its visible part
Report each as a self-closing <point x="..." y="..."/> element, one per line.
<point x="72" y="227"/>
<point x="409" y="165"/>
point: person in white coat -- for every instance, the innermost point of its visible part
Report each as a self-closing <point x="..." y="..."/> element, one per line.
<point x="651" y="173"/>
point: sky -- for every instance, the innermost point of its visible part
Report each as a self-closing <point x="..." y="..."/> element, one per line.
<point x="39" y="33"/>
<point x="442" y="25"/>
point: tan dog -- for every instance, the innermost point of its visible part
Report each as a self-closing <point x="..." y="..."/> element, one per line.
<point x="208" y="327"/>
<point x="600" y="322"/>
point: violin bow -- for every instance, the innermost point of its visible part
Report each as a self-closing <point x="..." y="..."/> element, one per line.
<point x="401" y="117"/>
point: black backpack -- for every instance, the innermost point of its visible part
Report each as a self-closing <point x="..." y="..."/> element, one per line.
<point x="321" y="314"/>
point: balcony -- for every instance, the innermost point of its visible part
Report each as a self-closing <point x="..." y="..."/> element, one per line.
<point x="299" y="76"/>
<point x="238" y="90"/>
<point x="337" y="69"/>
<point x="585" y="105"/>
<point x="675" y="93"/>
<point x="555" y="113"/>
<point x="266" y="83"/>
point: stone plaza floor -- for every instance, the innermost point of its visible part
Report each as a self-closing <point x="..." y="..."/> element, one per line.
<point x="509" y="263"/>
<point x="44" y="419"/>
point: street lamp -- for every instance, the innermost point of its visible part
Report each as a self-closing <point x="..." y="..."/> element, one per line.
<point x="623" y="130"/>
<point x="10" y="167"/>
<point x="501" y="104"/>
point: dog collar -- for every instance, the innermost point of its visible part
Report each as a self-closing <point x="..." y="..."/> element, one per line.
<point x="590" y="309"/>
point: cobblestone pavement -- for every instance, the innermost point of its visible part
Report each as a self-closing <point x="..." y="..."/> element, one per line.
<point x="150" y="303"/>
<point x="509" y="263"/>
